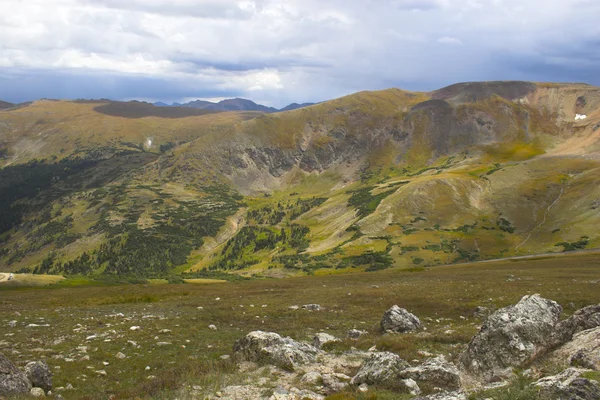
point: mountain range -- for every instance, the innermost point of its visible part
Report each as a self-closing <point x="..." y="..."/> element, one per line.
<point x="374" y="180"/>
<point x="236" y="104"/>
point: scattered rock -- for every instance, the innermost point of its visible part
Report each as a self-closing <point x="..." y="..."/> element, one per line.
<point x="382" y="369"/>
<point x="120" y="356"/>
<point x="569" y="384"/>
<point x="397" y="319"/>
<point x="334" y="383"/>
<point x="355" y="334"/>
<point x="321" y="338"/>
<point x="160" y="344"/>
<point x="271" y="348"/>
<point x="512" y="337"/>
<point x="12" y="324"/>
<point x="482" y="312"/>
<point x="39" y="375"/>
<point x="435" y="372"/>
<point x="312" y="307"/>
<point x="212" y="327"/>
<point x="101" y="372"/>
<point x="294" y="307"/>
<point x="135" y="328"/>
<point x="363" y="388"/>
<point x="12" y="379"/>
<point x="37" y="392"/>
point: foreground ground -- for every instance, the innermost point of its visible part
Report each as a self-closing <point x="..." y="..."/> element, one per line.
<point x="174" y="353"/>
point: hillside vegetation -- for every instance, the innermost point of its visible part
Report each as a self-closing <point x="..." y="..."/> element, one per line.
<point x="370" y="181"/>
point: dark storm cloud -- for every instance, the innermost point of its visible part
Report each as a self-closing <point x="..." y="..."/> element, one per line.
<point x="280" y="51"/>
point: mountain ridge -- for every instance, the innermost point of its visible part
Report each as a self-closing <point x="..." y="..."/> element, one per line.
<point x="372" y="180"/>
<point x="234" y="104"/>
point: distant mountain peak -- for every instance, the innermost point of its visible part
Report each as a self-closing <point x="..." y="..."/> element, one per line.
<point x="234" y="104"/>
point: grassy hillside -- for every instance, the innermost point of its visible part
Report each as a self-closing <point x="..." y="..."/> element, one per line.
<point x="366" y="182"/>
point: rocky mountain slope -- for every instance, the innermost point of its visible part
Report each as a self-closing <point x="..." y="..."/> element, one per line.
<point x="370" y="181"/>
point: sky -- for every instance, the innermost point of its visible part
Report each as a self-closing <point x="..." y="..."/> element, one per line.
<point x="276" y="52"/>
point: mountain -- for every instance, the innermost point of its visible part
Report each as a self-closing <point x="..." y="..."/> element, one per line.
<point x="295" y="106"/>
<point x="374" y="180"/>
<point x="236" y="104"/>
<point x="5" y="104"/>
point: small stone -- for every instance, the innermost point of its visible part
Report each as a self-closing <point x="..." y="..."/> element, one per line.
<point x="135" y="328"/>
<point x="363" y="388"/>
<point x="294" y="307"/>
<point x="37" y="392"/>
<point x="213" y="327"/>
<point x="312" y="378"/>
<point x="225" y="357"/>
<point x="12" y="324"/>
<point x="312" y="307"/>
<point x="120" y="356"/>
<point x="101" y="372"/>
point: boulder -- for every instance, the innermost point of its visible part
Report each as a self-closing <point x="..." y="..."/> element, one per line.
<point x="12" y="379"/>
<point x="397" y="319"/>
<point x="582" y="351"/>
<point x="435" y="372"/>
<point x="321" y="338"/>
<point x="569" y="384"/>
<point x="39" y="374"/>
<point x="271" y="348"/>
<point x="583" y="319"/>
<point x="512" y="337"/>
<point x="382" y="369"/>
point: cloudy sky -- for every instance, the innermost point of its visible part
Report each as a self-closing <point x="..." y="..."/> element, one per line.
<point x="281" y="51"/>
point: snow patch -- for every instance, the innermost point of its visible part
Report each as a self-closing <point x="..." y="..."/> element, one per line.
<point x="580" y="116"/>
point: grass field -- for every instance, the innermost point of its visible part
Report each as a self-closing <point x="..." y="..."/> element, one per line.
<point x="80" y="329"/>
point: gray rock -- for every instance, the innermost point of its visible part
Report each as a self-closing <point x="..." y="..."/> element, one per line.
<point x="444" y="396"/>
<point x="569" y="384"/>
<point x="270" y="348"/>
<point x="37" y="392"/>
<point x="583" y="319"/>
<point x="582" y="351"/>
<point x="382" y="369"/>
<point x="39" y="375"/>
<point x="397" y="319"/>
<point x="435" y="372"/>
<point x="355" y="334"/>
<point x="312" y="378"/>
<point x="321" y="338"/>
<point x="312" y="307"/>
<point x="12" y="379"/>
<point x="512" y="337"/>
<point x="333" y="383"/>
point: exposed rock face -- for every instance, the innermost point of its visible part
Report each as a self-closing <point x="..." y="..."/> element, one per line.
<point x="436" y="372"/>
<point x="39" y="374"/>
<point x="321" y="338"/>
<point x="512" y="337"/>
<point x="397" y="319"/>
<point x="383" y="369"/>
<point x="569" y="384"/>
<point x="270" y="348"/>
<point x="583" y="351"/>
<point x="12" y="379"/>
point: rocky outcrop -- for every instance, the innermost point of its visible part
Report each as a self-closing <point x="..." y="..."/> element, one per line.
<point x="512" y="337"/>
<point x="582" y="351"/>
<point x="569" y="384"/>
<point x="383" y="369"/>
<point x="271" y="348"/>
<point x="12" y="380"/>
<point x="397" y="319"/>
<point x="435" y="372"/>
<point x="39" y="374"/>
<point x="444" y="396"/>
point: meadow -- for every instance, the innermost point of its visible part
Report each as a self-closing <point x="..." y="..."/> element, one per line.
<point x="80" y="328"/>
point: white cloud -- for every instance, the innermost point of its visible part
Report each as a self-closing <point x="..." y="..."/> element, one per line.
<point x="298" y="50"/>
<point x="449" y="40"/>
